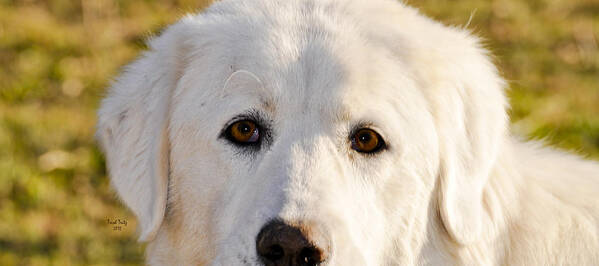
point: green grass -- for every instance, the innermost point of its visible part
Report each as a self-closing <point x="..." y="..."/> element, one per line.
<point x="58" y="56"/>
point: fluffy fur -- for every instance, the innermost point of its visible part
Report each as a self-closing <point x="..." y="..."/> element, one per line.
<point x="453" y="187"/>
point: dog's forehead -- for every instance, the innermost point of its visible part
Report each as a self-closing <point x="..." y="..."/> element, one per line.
<point x="310" y="64"/>
<point x="316" y="60"/>
<point x="319" y="80"/>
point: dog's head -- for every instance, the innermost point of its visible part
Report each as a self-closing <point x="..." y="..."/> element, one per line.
<point x="301" y="132"/>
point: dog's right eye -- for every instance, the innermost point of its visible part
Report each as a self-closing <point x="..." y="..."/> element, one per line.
<point x="366" y="140"/>
<point x="244" y="132"/>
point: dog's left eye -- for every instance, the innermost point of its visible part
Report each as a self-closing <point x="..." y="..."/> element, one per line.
<point x="366" y="140"/>
<point x="243" y="132"/>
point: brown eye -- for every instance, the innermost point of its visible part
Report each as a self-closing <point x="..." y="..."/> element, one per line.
<point x="243" y="132"/>
<point x="367" y="140"/>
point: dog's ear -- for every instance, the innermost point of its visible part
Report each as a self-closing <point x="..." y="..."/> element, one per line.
<point x="132" y="128"/>
<point x="470" y="108"/>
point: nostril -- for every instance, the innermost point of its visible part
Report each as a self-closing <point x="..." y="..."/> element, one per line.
<point x="309" y="256"/>
<point x="274" y="253"/>
<point x="278" y="243"/>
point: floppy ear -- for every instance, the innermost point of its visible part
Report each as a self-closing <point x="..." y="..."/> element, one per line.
<point x="472" y="121"/>
<point x="132" y="129"/>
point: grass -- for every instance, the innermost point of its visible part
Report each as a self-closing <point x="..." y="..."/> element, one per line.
<point x="58" y="56"/>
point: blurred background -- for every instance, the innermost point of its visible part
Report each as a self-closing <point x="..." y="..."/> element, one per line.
<point x="58" y="56"/>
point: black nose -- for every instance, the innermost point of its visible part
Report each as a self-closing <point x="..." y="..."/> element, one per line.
<point x="279" y="244"/>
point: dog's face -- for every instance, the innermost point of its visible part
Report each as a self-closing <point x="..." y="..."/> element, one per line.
<point x="318" y="140"/>
<point x="303" y="132"/>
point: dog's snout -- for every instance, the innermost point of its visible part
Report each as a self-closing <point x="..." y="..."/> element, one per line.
<point x="281" y="244"/>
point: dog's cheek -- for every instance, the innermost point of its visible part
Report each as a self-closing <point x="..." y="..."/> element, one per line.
<point x="197" y="175"/>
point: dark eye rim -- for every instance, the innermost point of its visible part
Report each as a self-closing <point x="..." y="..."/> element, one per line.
<point x="262" y="122"/>
<point x="229" y="135"/>
<point x="382" y="145"/>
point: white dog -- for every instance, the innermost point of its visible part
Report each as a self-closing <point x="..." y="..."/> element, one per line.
<point x="330" y="132"/>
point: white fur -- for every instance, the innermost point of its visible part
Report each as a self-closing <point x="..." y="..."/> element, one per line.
<point x="453" y="187"/>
